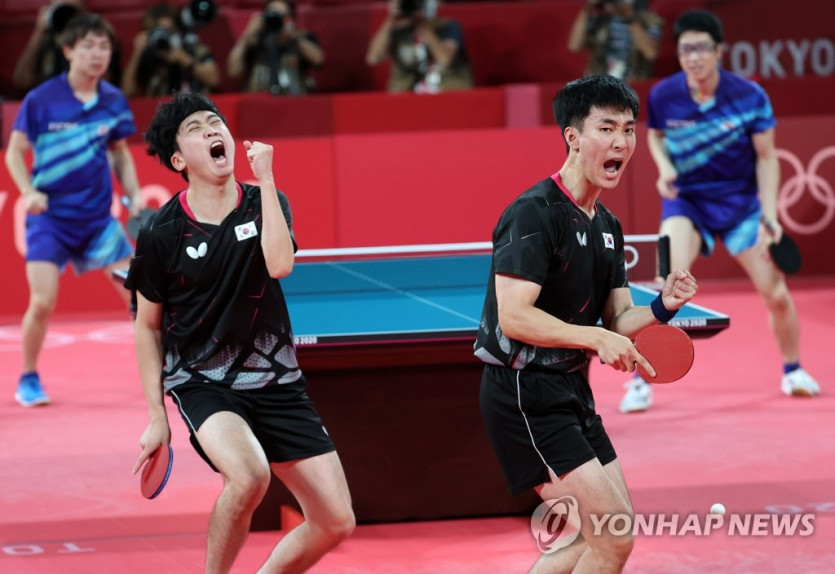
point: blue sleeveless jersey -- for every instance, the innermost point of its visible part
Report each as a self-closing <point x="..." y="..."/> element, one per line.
<point x="70" y="141"/>
<point x="710" y="144"/>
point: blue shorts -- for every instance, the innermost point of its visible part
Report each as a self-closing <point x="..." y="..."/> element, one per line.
<point x="737" y="239"/>
<point x="87" y="247"/>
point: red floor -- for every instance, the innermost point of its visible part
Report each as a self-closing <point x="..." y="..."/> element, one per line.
<point x="68" y="503"/>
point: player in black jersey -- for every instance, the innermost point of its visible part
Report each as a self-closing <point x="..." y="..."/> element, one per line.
<point x="213" y="332"/>
<point x="558" y="268"/>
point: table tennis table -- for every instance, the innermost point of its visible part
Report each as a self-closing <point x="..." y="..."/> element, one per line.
<point x="416" y="299"/>
<point x="386" y="345"/>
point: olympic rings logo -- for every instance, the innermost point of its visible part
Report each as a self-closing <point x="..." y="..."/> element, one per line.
<point x="792" y="189"/>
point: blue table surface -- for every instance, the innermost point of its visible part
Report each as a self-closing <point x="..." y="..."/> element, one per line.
<point x="411" y="298"/>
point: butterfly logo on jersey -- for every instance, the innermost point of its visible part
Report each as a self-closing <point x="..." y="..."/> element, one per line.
<point x="199" y="252"/>
<point x="246" y="230"/>
<point x="582" y="239"/>
<point x="609" y="240"/>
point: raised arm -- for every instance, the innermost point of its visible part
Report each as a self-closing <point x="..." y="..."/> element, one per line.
<point x="378" y="49"/>
<point x="25" y="74"/>
<point x="275" y="239"/>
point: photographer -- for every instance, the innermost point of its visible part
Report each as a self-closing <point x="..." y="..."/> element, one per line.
<point x="428" y="53"/>
<point x="43" y="57"/>
<point x="275" y="56"/>
<point x="622" y="36"/>
<point x="168" y="56"/>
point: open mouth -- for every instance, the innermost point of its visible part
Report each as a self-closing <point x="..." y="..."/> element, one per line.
<point x="612" y="166"/>
<point x="218" y="151"/>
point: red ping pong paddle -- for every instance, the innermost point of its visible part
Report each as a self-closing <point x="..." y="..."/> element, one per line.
<point x="668" y="349"/>
<point x="156" y="471"/>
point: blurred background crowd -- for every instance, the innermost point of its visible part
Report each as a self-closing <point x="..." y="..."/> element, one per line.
<point x="330" y="46"/>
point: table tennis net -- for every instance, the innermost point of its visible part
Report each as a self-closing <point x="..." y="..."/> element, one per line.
<point x="433" y="266"/>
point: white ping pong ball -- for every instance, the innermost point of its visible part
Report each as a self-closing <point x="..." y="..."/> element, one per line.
<point x="718" y="508"/>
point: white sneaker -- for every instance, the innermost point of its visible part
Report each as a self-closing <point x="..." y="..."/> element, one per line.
<point x="638" y="396"/>
<point x="798" y="383"/>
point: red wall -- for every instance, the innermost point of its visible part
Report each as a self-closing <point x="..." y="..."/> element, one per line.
<point x="445" y="186"/>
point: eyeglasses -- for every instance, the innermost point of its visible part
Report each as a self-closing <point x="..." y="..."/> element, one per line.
<point x="700" y="49"/>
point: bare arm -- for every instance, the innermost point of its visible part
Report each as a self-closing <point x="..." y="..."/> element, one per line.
<point x="148" y="345"/>
<point x="310" y="51"/>
<point x="768" y="172"/>
<point x="203" y="69"/>
<point x="667" y="174"/>
<point x="236" y="64"/>
<point x="378" y="49"/>
<point x="645" y="44"/>
<point x="521" y="320"/>
<point x="35" y="201"/>
<point x="130" y="83"/>
<point x="577" y="35"/>
<point x="125" y="171"/>
<point x="16" y="151"/>
<point x="275" y="235"/>
<point x="207" y="72"/>
<point x="443" y="51"/>
<point x="622" y="316"/>
<point x="25" y="74"/>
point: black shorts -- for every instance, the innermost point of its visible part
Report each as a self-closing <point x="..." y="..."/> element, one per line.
<point x="538" y="420"/>
<point x="282" y="417"/>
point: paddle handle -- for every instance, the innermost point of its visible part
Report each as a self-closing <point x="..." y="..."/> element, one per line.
<point x="769" y="226"/>
<point x="663" y="255"/>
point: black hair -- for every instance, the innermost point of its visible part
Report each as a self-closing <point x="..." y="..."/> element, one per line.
<point x="574" y="102"/>
<point x="161" y="134"/>
<point x="699" y="21"/>
<point x="291" y="6"/>
<point x="82" y="24"/>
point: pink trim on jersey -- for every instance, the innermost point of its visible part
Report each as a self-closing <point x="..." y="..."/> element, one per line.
<point x="184" y="202"/>
<point x="556" y="178"/>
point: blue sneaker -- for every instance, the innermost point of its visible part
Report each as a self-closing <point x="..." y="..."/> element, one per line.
<point x="29" y="391"/>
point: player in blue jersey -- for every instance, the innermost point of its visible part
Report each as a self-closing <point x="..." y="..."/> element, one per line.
<point x="711" y="134"/>
<point x="75" y="125"/>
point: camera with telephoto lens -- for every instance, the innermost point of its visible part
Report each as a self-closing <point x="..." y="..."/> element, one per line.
<point x="162" y="39"/>
<point x="409" y="7"/>
<point x="59" y="16"/>
<point x="274" y="21"/>
<point x="198" y="13"/>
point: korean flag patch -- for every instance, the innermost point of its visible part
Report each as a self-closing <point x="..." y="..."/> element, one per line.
<point x="246" y="230"/>
<point x="609" y="240"/>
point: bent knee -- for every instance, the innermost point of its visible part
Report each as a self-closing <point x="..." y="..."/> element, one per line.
<point x="621" y="547"/>
<point x="778" y="298"/>
<point x="250" y="484"/>
<point x="338" y="526"/>
<point x="42" y="306"/>
<point x="617" y="540"/>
